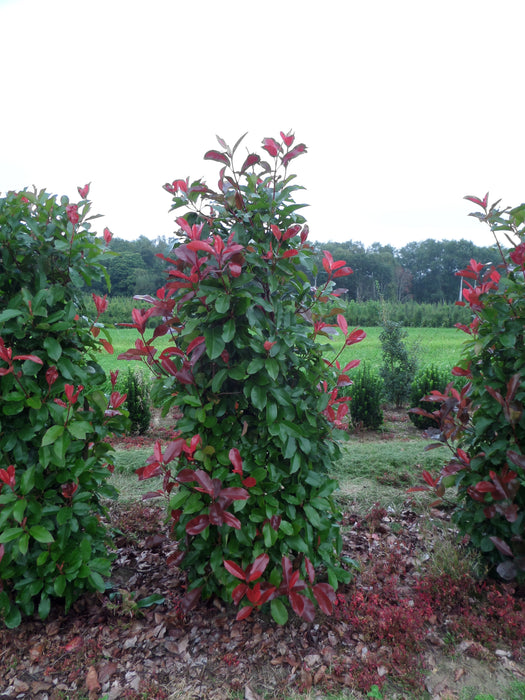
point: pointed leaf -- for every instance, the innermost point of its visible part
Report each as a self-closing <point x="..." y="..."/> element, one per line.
<point x="234" y="569"/>
<point x="252" y="159"/>
<point x="244" y="612"/>
<point x="236" y="459"/>
<point x="258" y="567"/>
<point x="502" y="546"/>
<point x="190" y="600"/>
<point x="197" y="525"/>
<point x="325" y="597"/>
<point x="279" y="611"/>
<point x="218" y="156"/>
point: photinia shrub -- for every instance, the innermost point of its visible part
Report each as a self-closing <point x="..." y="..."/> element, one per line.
<point x="484" y="422"/>
<point x="53" y="414"/>
<point x="247" y="479"/>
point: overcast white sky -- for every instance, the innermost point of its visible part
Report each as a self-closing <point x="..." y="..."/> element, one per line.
<point x="405" y="105"/>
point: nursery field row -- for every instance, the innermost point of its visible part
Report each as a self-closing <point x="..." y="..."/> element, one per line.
<point x="438" y="346"/>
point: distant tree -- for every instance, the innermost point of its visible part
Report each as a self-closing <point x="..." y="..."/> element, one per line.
<point x="433" y="266"/>
<point x="136" y="268"/>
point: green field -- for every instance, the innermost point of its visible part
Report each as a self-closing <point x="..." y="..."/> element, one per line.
<point x="439" y="346"/>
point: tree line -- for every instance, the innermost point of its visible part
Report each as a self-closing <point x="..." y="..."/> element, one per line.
<point x="421" y="271"/>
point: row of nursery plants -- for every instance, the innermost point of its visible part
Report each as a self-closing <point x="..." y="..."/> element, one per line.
<point x="357" y="313"/>
<point x="410" y="314"/>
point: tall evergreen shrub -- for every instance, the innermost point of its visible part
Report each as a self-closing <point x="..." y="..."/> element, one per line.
<point x="54" y="415"/>
<point x="399" y="363"/>
<point x="246" y="483"/>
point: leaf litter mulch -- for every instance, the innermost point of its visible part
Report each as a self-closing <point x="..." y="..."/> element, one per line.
<point x="421" y="636"/>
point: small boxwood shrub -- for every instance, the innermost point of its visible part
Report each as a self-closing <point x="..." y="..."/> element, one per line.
<point x="399" y="363"/>
<point x="425" y="381"/>
<point x="366" y="393"/>
<point x="137" y="402"/>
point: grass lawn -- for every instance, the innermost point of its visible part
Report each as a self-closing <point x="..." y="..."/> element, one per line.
<point x="439" y="346"/>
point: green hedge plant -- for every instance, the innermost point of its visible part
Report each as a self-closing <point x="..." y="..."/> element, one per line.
<point x="484" y="422"/>
<point x="399" y="363"/>
<point x="429" y="379"/>
<point x="366" y="395"/>
<point x="137" y="402"/>
<point x="247" y="482"/>
<point x="53" y="415"/>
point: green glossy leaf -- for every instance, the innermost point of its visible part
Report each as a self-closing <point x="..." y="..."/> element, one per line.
<point x="79" y="429"/>
<point x="214" y="343"/>
<point x="60" y="585"/>
<point x="255" y="365"/>
<point x="44" y="607"/>
<point x="279" y="611"/>
<point x="313" y="516"/>
<point x="154" y="599"/>
<point x="51" y="435"/>
<point x="272" y="367"/>
<point x="19" y="510"/>
<point x="23" y="544"/>
<point x="228" y="331"/>
<point x="10" y="534"/>
<point x="222" y="304"/>
<point x="8" y="314"/>
<point x="96" y="581"/>
<point x="258" y="396"/>
<point x="12" y="618"/>
<point x="53" y="347"/>
<point x="41" y="534"/>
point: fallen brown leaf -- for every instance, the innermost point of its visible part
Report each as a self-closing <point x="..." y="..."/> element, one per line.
<point x="249" y="694"/>
<point x="92" y="683"/>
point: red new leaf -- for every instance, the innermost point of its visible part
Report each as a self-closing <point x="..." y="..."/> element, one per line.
<point x="244" y="612"/>
<point x="234" y="569"/>
<point x="325" y="597"/>
<point x="218" y="156"/>
<point x="355" y="336"/>
<point x="197" y="525"/>
<point x="502" y="546"/>
<point x="239" y="592"/>
<point x="252" y="159"/>
<point x="231" y="520"/>
<point x="258" y="567"/>
<point x="271" y="146"/>
<point x="351" y="365"/>
<point x="427" y="476"/>
<point x="343" y="272"/>
<point x="236" y="459"/>
<point x="33" y="358"/>
<point x="480" y="202"/>
<point x="254" y="594"/>
<point x="216" y="514"/>
<point x="233" y="493"/>
<point x="300" y="148"/>
<point x="309" y="569"/>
